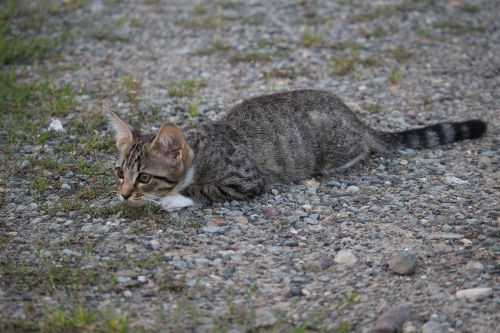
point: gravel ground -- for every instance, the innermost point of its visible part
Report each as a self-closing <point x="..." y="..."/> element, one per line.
<point x="328" y="255"/>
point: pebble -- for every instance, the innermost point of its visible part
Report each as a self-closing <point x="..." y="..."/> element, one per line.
<point x="311" y="183"/>
<point x="37" y="220"/>
<point x="474" y="294"/>
<point x="345" y="257"/>
<point x="452" y="180"/>
<point x="432" y="327"/>
<point x="352" y="189"/>
<point x="446" y="227"/>
<point x="264" y="317"/>
<point x="26" y="164"/>
<point x="66" y="186"/>
<point x="212" y="229"/>
<point x="241" y="220"/>
<point x="474" y="266"/>
<point x="272" y="212"/>
<point x="276" y="250"/>
<point x="393" y="320"/>
<point x="71" y="253"/>
<point x="155" y="244"/>
<point x="403" y="263"/>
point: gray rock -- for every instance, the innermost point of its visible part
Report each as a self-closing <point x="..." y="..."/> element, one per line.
<point x="276" y="250"/>
<point x="446" y="227"/>
<point x="403" y="263"/>
<point x="66" y="186"/>
<point x="474" y="266"/>
<point x="211" y="229"/>
<point x="432" y="327"/>
<point x="346" y="258"/>
<point x="180" y="264"/>
<point x="352" y="189"/>
<point x="26" y="164"/>
<point x="264" y="317"/>
<point x="155" y="244"/>
<point x="71" y="253"/>
<point x="474" y="294"/>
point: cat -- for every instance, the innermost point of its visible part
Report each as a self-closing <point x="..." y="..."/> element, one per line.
<point x="261" y="142"/>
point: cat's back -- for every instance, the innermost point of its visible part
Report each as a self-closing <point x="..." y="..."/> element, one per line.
<point x="289" y="105"/>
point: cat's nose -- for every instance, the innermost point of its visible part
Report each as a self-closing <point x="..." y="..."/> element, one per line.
<point x="125" y="196"/>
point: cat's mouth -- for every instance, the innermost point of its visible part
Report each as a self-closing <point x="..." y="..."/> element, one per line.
<point x="133" y="201"/>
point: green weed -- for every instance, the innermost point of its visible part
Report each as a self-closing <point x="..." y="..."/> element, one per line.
<point x="400" y="53"/>
<point x="193" y="108"/>
<point x="310" y="39"/>
<point x="186" y="88"/>
<point x="250" y="57"/>
<point x="395" y="75"/>
<point x="457" y="28"/>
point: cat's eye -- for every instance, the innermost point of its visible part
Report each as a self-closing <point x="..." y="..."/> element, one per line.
<point x="144" y="178"/>
<point x="119" y="172"/>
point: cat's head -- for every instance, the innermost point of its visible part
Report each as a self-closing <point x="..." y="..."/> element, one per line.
<point x="150" y="167"/>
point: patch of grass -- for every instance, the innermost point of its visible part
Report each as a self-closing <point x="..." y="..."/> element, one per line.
<point x="186" y="88"/>
<point x="48" y="162"/>
<point x="378" y="31"/>
<point x="350" y="62"/>
<point x="39" y="185"/>
<point x="400" y="53"/>
<point x="108" y="32"/>
<point x="372" y="108"/>
<point x="132" y="86"/>
<point x="14" y="50"/>
<point x="79" y="319"/>
<point x="343" y="328"/>
<point x="395" y="75"/>
<point x="457" y="28"/>
<point x="310" y="39"/>
<point x="20" y="42"/>
<point x="16" y="97"/>
<point x="87" y="192"/>
<point x="250" y="57"/>
<point x="217" y="46"/>
<point x="167" y="282"/>
<point x="48" y="278"/>
<point x="3" y="241"/>
<point x="344" y="64"/>
<point x="469" y="8"/>
<point x="390" y="10"/>
<point x="346" y="300"/>
<point x="193" y="108"/>
<point x="200" y="9"/>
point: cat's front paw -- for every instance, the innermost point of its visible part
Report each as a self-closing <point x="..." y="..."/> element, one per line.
<point x="175" y="202"/>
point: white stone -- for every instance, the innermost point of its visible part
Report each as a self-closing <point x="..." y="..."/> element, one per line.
<point x="352" y="189"/>
<point x="56" y="125"/>
<point x="452" y="180"/>
<point x="311" y="183"/>
<point x="155" y="244"/>
<point x="474" y="266"/>
<point x="474" y="294"/>
<point x="345" y="257"/>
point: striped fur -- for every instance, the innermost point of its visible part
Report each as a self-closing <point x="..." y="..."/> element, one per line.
<point x="261" y="142"/>
<point x="438" y="134"/>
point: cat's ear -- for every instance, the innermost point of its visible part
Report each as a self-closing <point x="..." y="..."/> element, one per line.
<point x="169" y="144"/>
<point x="123" y="131"/>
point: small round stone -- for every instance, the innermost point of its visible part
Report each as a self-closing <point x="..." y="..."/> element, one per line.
<point x="403" y="263"/>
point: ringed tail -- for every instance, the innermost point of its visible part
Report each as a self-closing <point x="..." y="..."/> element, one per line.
<point x="434" y="135"/>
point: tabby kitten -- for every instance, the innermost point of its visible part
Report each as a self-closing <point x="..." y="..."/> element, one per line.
<point x="263" y="141"/>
